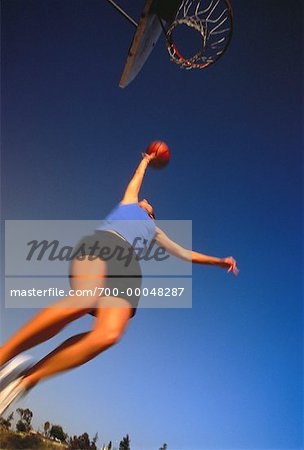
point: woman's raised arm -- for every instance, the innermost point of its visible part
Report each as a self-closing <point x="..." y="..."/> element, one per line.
<point x="131" y="193"/>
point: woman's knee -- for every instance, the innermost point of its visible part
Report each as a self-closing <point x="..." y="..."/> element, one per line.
<point x="101" y="339"/>
<point x="110" y="323"/>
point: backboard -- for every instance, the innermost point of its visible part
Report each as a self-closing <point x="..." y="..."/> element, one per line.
<point x="155" y="14"/>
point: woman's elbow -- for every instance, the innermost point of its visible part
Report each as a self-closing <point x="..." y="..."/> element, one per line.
<point x="186" y="255"/>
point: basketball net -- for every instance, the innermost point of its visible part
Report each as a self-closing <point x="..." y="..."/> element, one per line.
<point x="213" y="19"/>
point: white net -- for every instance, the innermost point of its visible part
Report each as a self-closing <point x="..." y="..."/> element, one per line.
<point x="213" y="20"/>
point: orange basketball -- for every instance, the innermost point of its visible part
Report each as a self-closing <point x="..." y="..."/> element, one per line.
<point x="162" y="152"/>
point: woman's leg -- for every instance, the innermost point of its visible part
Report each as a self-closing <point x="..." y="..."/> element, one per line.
<point x="109" y="326"/>
<point x="85" y="275"/>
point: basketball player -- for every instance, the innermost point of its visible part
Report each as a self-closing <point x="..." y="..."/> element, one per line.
<point x="131" y="220"/>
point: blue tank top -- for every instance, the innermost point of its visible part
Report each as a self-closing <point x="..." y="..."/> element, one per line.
<point x="132" y="222"/>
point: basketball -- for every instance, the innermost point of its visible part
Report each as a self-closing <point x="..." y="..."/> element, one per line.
<point x="162" y="152"/>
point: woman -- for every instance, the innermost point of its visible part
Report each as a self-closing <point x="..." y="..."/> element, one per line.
<point x="131" y="219"/>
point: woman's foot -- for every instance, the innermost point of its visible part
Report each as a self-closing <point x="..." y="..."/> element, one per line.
<point x="14" y="369"/>
<point x="15" y="390"/>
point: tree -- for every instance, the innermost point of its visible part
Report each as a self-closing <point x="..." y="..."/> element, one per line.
<point x="83" y="442"/>
<point x="46" y="428"/>
<point x="20" y="426"/>
<point x="164" y="447"/>
<point x="26" y="416"/>
<point x="57" y="432"/>
<point x="125" y="443"/>
<point x="6" y="423"/>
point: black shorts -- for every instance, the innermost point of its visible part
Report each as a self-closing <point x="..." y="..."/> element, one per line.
<point x="123" y="268"/>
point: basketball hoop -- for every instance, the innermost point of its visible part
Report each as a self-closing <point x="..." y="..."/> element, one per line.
<point x="213" y="20"/>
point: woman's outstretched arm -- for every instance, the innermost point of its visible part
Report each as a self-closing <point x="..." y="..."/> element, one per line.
<point x="175" y="249"/>
<point x="131" y="193"/>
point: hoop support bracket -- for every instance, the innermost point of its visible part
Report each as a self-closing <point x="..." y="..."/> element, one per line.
<point x="123" y="13"/>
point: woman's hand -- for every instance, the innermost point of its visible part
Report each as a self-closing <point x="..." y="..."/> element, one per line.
<point x="229" y="263"/>
<point x="147" y="157"/>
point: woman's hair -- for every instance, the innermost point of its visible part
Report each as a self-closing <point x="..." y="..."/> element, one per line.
<point x="150" y="214"/>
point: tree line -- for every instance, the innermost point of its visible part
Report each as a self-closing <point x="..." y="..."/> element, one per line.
<point x="52" y="432"/>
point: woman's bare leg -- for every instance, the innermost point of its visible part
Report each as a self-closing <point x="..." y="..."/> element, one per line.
<point x="108" y="328"/>
<point x="42" y="327"/>
<point x="47" y="323"/>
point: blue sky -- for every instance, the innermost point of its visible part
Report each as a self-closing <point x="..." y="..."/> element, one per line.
<point x="227" y="373"/>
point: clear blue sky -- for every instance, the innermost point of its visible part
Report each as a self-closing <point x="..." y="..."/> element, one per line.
<point x="227" y="373"/>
